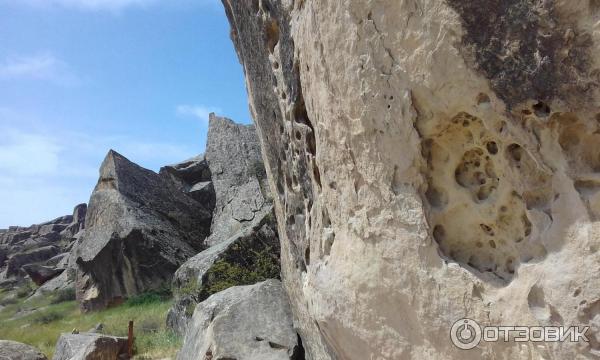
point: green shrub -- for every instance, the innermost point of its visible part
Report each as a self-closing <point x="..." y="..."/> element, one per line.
<point x="257" y="267"/>
<point x="47" y="317"/>
<point x="25" y="290"/>
<point x="63" y="295"/>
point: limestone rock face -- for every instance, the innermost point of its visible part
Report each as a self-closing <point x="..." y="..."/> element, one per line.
<point x="16" y="351"/>
<point x="251" y="322"/>
<point x="89" y="346"/>
<point x="139" y="229"/>
<point x="430" y="160"/>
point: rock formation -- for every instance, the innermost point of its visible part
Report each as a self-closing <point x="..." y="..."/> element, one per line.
<point x="139" y="229"/>
<point x="430" y="160"/>
<point x="12" y="350"/>
<point x="244" y="247"/>
<point x="38" y="251"/>
<point x="90" y="346"/>
<point x="251" y="322"/>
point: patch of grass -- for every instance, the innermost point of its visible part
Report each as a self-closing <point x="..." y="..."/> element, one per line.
<point x="25" y="290"/>
<point x="40" y="321"/>
<point x="148" y="298"/>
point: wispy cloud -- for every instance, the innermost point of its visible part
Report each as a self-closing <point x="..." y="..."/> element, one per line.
<point x="198" y="111"/>
<point x="108" y="5"/>
<point x="37" y="67"/>
<point x="44" y="174"/>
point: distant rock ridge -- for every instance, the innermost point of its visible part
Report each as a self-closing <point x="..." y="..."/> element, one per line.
<point x="38" y="251"/>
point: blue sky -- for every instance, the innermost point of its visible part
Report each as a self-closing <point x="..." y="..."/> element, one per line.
<point x="78" y="77"/>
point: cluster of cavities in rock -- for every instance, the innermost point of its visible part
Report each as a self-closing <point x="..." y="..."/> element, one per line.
<point x="482" y="192"/>
<point x="489" y="196"/>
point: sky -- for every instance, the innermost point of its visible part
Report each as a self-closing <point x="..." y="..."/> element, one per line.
<point x="80" y="77"/>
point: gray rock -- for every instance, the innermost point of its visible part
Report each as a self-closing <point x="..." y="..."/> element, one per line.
<point x="40" y="273"/>
<point x="254" y="249"/>
<point x="77" y="224"/>
<point x="57" y="283"/>
<point x="243" y="322"/>
<point x="139" y="229"/>
<point x="15" y="263"/>
<point x="89" y="346"/>
<point x="238" y="176"/>
<point x="12" y="350"/>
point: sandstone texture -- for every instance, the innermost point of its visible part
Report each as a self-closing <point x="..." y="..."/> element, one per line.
<point x="139" y="229"/>
<point x="12" y="350"/>
<point x="251" y="322"/>
<point x="430" y="160"/>
<point x="90" y="346"/>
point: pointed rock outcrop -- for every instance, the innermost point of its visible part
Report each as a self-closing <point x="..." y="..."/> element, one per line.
<point x="139" y="229"/>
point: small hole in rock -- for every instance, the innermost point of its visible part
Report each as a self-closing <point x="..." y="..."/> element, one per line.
<point x="541" y="109"/>
<point x="492" y="147"/>
<point x="483" y="99"/>
<point x="526" y="112"/>
<point x="298" y="135"/>
<point x="577" y="292"/>
<point x="492" y="244"/>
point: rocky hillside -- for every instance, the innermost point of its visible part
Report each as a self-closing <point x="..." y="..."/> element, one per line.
<point x="430" y="161"/>
<point x="203" y="230"/>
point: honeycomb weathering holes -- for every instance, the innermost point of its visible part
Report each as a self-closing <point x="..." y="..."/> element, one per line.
<point x="478" y="216"/>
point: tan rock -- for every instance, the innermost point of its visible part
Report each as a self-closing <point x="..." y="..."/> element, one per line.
<point x="431" y="160"/>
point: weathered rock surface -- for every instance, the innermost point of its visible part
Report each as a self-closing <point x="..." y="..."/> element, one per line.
<point x="40" y="273"/>
<point x="89" y="346"/>
<point x="42" y="246"/>
<point x="247" y="257"/>
<point x="251" y="322"/>
<point x="12" y="350"/>
<point x="243" y="240"/>
<point x="139" y="229"/>
<point x="238" y="176"/>
<point x="431" y="160"/>
<point x="193" y="177"/>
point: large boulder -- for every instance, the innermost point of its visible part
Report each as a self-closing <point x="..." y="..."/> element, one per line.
<point x="251" y="322"/>
<point x="238" y="176"/>
<point x="12" y="350"/>
<point x="430" y="161"/>
<point x="139" y="229"/>
<point x="40" y="273"/>
<point x="90" y="346"/>
<point x="247" y="257"/>
<point x="14" y="264"/>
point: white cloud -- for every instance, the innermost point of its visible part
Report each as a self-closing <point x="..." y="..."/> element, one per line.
<point x="198" y="111"/>
<point x="108" y="5"/>
<point x="44" y="174"/>
<point x="38" y="67"/>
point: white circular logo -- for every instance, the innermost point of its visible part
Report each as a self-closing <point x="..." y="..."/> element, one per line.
<point x="465" y="334"/>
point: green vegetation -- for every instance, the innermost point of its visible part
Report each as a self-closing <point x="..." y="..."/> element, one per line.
<point x="241" y="266"/>
<point x="40" y="321"/>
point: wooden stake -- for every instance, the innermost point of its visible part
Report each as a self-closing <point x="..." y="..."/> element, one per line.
<point x="130" y="340"/>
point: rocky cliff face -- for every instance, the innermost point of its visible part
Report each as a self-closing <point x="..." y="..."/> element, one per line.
<point x="39" y="251"/>
<point x="430" y="160"/>
<point x="243" y="244"/>
<point x="139" y="229"/>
